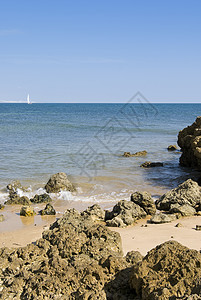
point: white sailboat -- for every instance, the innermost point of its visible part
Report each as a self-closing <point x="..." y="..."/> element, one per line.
<point x="28" y="99"/>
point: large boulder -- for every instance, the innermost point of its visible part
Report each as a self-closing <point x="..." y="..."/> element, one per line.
<point x="163" y="218"/>
<point x="59" y="182"/>
<point x="169" y="271"/>
<point x="95" y="212"/>
<point x="189" y="139"/>
<point x="125" y="213"/>
<point x="44" y="198"/>
<point x="189" y="192"/>
<point x="145" y="201"/>
<point x="185" y="210"/>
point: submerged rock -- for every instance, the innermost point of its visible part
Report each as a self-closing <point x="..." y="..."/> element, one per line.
<point x="169" y="271"/>
<point x="27" y="211"/>
<point x="125" y="213"/>
<point x="59" y="182"/>
<point x="44" y="198"/>
<point x="149" y="164"/>
<point x="189" y="140"/>
<point x="189" y="192"/>
<point x="140" y="153"/>
<point x="48" y="210"/>
<point x="172" y="148"/>
<point x="145" y="201"/>
<point x="2" y="218"/>
<point x="163" y="218"/>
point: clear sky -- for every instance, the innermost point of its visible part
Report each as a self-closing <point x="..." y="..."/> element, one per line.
<point x="100" y="51"/>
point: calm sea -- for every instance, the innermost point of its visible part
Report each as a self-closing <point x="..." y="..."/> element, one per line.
<point x="87" y="141"/>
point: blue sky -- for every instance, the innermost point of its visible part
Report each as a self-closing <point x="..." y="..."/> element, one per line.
<point x="100" y="51"/>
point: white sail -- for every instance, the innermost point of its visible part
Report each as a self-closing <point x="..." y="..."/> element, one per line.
<point x="28" y="99"/>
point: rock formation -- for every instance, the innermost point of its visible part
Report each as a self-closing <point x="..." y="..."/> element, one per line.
<point x="44" y="198"/>
<point x="140" y="153"/>
<point x="48" y="210"/>
<point x="172" y="148"/>
<point x="189" y="140"/>
<point x="144" y="200"/>
<point x="27" y="211"/>
<point x="59" y="182"/>
<point x="149" y="164"/>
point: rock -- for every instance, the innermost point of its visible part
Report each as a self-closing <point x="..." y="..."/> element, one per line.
<point x="16" y="199"/>
<point x="189" y="192"/>
<point x="48" y="210"/>
<point x="44" y="198"/>
<point x="140" y="153"/>
<point x="198" y="227"/>
<point x="169" y="271"/>
<point x="27" y="211"/>
<point x="14" y="185"/>
<point x="95" y="212"/>
<point x="134" y="257"/>
<point x="125" y="213"/>
<point x="2" y="218"/>
<point x="145" y="201"/>
<point x="184" y="210"/>
<point x="189" y="139"/>
<point x="59" y="182"/>
<point x="178" y="225"/>
<point x="172" y="148"/>
<point x="149" y="164"/>
<point x="2" y="206"/>
<point x="163" y="218"/>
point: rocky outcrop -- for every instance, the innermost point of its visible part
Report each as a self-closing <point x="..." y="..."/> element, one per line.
<point x="149" y="164"/>
<point x="95" y="212"/>
<point x="48" y="210"/>
<point x="44" y="198"/>
<point x="59" y="182"/>
<point x="172" y="148"/>
<point x="189" y="139"/>
<point x="124" y="213"/>
<point x="27" y="211"/>
<point x="169" y="271"/>
<point x="187" y="193"/>
<point x="145" y="201"/>
<point x="75" y="259"/>
<point x="163" y="218"/>
<point x="140" y="153"/>
<point x="16" y="199"/>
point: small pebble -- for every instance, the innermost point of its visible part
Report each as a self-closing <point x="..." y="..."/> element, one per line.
<point x="198" y="227"/>
<point x="172" y="237"/>
<point x="178" y="225"/>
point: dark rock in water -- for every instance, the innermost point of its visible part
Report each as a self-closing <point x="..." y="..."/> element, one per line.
<point x="27" y="211"/>
<point x="189" y="192"/>
<point x="95" y="212"/>
<point x="140" y="153"/>
<point x="145" y="201"/>
<point x="189" y="140"/>
<point x="16" y="199"/>
<point x="59" y="182"/>
<point x="125" y="213"/>
<point x="169" y="271"/>
<point x="184" y="210"/>
<point x="172" y="148"/>
<point x="149" y="164"/>
<point x="2" y="218"/>
<point x="48" y="210"/>
<point x="13" y="186"/>
<point x="44" y="198"/>
<point x="162" y="218"/>
<point x="2" y="206"/>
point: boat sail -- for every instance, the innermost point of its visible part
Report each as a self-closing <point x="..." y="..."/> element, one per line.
<point x="28" y="99"/>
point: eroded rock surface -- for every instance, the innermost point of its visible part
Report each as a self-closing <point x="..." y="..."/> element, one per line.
<point x="149" y="164"/>
<point x="44" y="198"/>
<point x="169" y="271"/>
<point x="140" y="153"/>
<point x="48" y="210"/>
<point x="144" y="200"/>
<point x="59" y="182"/>
<point x="27" y="211"/>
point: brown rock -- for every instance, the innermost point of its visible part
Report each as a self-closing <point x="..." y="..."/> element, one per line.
<point x="140" y="153"/>
<point x="59" y="182"/>
<point x="145" y="201"/>
<point x="27" y="211"/>
<point x="172" y="148"/>
<point x="149" y="164"/>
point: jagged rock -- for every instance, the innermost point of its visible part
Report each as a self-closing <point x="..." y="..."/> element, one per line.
<point x="125" y="213"/>
<point x="95" y="212"/>
<point x="163" y="218"/>
<point x="149" y="164"/>
<point x="16" y="199"/>
<point x="59" y="182"/>
<point x="134" y="257"/>
<point x="48" y="210"/>
<point x="27" y="211"/>
<point x="169" y="271"/>
<point x="140" y="153"/>
<point x="189" y="192"/>
<point x="172" y="148"/>
<point x="2" y="218"/>
<point x="2" y="206"/>
<point x="44" y="198"/>
<point x="184" y="210"/>
<point x="198" y="227"/>
<point x="145" y="201"/>
<point x="14" y="185"/>
<point x="189" y="139"/>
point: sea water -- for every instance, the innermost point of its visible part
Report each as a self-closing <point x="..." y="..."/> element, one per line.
<point x="87" y="141"/>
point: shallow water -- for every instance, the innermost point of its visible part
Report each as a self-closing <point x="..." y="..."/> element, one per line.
<point x="87" y="142"/>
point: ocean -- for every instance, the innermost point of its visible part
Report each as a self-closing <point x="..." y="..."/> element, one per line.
<point x="87" y="141"/>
